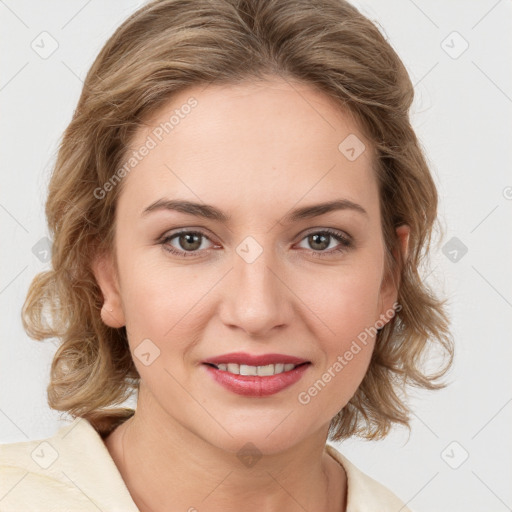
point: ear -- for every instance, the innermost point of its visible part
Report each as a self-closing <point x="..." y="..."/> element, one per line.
<point x="391" y="282"/>
<point x="105" y="273"/>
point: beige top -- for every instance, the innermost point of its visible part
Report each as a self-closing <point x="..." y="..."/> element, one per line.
<point x="73" y="471"/>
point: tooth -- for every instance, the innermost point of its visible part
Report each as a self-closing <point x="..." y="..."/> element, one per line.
<point x="266" y="370"/>
<point x="245" y="369"/>
<point x="248" y="370"/>
<point x="234" y="368"/>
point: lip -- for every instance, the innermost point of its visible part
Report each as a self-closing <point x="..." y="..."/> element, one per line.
<point x="255" y="360"/>
<point x="255" y="385"/>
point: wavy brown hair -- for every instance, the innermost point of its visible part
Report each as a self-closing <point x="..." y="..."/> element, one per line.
<point x="165" y="47"/>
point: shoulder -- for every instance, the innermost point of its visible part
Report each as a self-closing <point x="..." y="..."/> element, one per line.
<point x="364" y="494"/>
<point x="70" y="470"/>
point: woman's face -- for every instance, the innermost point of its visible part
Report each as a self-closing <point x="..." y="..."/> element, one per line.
<point x="252" y="277"/>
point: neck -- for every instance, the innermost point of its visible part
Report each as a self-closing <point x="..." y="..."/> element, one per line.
<point x="201" y="476"/>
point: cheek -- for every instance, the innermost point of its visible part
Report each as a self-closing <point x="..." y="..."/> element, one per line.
<point x="164" y="304"/>
<point x="346" y="303"/>
<point x="345" y="300"/>
<point x="346" y="357"/>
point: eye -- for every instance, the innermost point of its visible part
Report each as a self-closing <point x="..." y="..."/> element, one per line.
<point x="187" y="243"/>
<point x="319" y="241"/>
<point x="191" y="243"/>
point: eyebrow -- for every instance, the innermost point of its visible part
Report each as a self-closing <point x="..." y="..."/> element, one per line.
<point x="211" y="212"/>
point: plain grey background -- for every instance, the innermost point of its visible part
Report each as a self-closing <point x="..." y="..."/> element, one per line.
<point x="458" y="53"/>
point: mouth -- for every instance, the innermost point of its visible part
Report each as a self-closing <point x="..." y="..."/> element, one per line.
<point x="259" y="371"/>
<point x="256" y="381"/>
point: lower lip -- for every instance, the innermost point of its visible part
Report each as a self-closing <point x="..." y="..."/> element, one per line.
<point x="253" y="385"/>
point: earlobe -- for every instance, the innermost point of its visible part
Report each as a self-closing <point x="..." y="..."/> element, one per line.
<point x="400" y="253"/>
<point x="391" y="283"/>
<point x="104" y="271"/>
<point x="403" y="233"/>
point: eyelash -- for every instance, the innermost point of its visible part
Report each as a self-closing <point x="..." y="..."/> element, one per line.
<point x="345" y="243"/>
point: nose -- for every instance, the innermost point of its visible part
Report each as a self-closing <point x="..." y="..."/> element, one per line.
<point x="255" y="296"/>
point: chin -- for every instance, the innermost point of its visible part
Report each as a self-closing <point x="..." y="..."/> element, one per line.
<point x="264" y="438"/>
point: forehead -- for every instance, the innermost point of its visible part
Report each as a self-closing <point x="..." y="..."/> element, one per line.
<point x="271" y="144"/>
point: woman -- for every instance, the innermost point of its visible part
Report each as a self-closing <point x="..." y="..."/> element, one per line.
<point x="239" y="210"/>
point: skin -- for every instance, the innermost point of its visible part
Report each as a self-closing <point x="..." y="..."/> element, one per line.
<point x="255" y="151"/>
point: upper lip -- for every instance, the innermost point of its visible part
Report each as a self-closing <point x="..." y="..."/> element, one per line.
<point x="255" y="360"/>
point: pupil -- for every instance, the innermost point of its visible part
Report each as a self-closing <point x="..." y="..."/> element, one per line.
<point x="323" y="243"/>
<point x="191" y="240"/>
